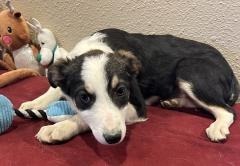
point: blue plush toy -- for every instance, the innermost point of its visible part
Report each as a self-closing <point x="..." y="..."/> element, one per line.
<point x="56" y="112"/>
<point x="6" y="113"/>
<point x="59" y="111"/>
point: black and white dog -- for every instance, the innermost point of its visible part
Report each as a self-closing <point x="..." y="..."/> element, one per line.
<point x="111" y="74"/>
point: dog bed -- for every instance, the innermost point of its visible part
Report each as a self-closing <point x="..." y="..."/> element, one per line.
<point x="169" y="137"/>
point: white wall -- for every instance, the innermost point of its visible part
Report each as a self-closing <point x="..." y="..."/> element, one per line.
<point x="216" y="22"/>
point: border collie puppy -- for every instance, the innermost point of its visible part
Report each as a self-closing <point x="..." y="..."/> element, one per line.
<point x="112" y="74"/>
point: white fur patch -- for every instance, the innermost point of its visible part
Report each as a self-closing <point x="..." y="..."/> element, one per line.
<point x="115" y="81"/>
<point x="219" y="129"/>
<point x="53" y="94"/>
<point x="63" y="130"/>
<point x="130" y="114"/>
<point x="94" y="42"/>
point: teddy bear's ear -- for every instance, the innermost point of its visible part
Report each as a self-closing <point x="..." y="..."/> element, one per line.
<point x="17" y="14"/>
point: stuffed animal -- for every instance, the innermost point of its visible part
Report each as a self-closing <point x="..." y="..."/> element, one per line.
<point x="15" y="36"/>
<point x="50" y="51"/>
<point x="6" y="61"/>
<point x="55" y="112"/>
<point x="6" y="113"/>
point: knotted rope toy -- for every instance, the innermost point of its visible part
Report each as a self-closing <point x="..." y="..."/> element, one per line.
<point x="55" y="112"/>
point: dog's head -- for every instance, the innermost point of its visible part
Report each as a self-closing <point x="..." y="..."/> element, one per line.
<point x="99" y="86"/>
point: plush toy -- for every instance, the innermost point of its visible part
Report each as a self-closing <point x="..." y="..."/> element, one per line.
<point x="50" y="51"/>
<point x="56" y="112"/>
<point x="6" y="113"/>
<point x="6" y="61"/>
<point x="15" y="36"/>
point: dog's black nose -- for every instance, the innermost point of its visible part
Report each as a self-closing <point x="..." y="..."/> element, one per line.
<point x="112" y="139"/>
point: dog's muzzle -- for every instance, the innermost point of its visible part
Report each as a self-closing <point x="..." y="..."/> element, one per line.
<point x="113" y="138"/>
<point x="107" y="125"/>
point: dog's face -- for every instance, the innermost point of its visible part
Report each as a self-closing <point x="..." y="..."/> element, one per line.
<point x="99" y="87"/>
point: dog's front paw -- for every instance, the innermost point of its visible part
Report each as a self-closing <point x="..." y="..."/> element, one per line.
<point x="27" y="105"/>
<point x="32" y="105"/>
<point x="54" y="133"/>
<point x="218" y="131"/>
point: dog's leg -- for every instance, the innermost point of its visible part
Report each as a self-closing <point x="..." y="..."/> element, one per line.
<point x="181" y="101"/>
<point x="62" y="131"/>
<point x="151" y="100"/>
<point x="218" y="130"/>
<point x="53" y="94"/>
<point x="131" y="116"/>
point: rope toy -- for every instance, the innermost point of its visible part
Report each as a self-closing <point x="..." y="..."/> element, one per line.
<point x="55" y="112"/>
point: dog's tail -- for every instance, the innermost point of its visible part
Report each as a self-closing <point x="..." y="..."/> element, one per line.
<point x="31" y="114"/>
<point x="235" y="91"/>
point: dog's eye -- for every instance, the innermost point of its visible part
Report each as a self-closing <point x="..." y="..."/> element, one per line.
<point x="42" y="43"/>
<point x="9" y="29"/>
<point x="121" y="90"/>
<point x="85" y="98"/>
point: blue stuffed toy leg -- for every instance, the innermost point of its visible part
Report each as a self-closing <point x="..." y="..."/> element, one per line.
<point x="6" y="113"/>
<point x="59" y="111"/>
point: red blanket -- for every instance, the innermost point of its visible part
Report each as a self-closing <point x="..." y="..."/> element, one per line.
<point x="168" y="138"/>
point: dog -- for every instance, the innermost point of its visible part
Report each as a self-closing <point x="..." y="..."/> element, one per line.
<point x="111" y="75"/>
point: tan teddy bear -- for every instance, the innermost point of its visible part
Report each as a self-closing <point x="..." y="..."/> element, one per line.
<point x="15" y="36"/>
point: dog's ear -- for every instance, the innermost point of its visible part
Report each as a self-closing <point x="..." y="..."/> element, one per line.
<point x="133" y="64"/>
<point x="57" y="73"/>
<point x="136" y="98"/>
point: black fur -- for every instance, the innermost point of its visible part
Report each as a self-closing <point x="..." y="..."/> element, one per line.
<point x="122" y="74"/>
<point x="136" y="98"/>
<point x="166" y="58"/>
<point x="121" y="67"/>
